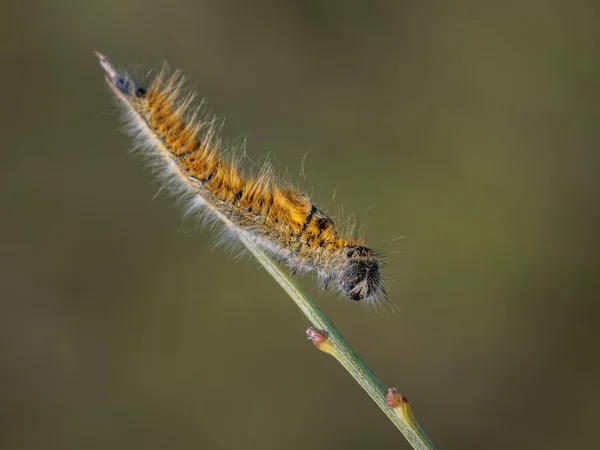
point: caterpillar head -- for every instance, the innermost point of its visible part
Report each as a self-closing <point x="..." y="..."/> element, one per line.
<point x="360" y="279"/>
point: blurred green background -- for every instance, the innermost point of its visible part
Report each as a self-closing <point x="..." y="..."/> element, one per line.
<point x="469" y="127"/>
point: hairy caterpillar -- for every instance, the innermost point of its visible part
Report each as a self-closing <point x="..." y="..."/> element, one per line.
<point x="280" y="219"/>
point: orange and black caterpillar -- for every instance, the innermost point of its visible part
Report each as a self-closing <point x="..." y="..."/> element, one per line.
<point x="282" y="220"/>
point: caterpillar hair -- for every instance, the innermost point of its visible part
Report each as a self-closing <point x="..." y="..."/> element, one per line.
<point x="280" y="219"/>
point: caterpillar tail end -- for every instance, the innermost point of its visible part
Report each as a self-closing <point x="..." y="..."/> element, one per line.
<point x="119" y="82"/>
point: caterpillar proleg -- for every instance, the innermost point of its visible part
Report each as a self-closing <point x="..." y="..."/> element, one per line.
<point x="281" y="219"/>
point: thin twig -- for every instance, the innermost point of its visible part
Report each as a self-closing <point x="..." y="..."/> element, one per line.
<point x="327" y="338"/>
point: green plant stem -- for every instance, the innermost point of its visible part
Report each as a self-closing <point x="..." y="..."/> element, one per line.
<point x="343" y="351"/>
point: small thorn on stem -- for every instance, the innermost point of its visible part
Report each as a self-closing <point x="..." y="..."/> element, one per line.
<point x="399" y="404"/>
<point x="320" y="339"/>
<point x="316" y="336"/>
<point x="394" y="399"/>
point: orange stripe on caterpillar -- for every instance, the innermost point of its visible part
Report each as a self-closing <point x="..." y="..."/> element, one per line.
<point x="281" y="219"/>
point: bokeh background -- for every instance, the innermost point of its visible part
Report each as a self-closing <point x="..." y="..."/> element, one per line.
<point x="469" y="127"/>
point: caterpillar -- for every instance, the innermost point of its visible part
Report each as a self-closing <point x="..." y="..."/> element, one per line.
<point x="280" y="219"/>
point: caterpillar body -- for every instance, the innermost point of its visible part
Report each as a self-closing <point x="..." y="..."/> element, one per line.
<point x="281" y="219"/>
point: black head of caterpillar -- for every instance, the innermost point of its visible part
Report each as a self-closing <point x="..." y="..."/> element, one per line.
<point x="360" y="278"/>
